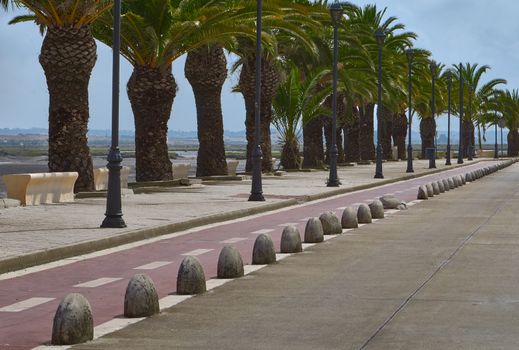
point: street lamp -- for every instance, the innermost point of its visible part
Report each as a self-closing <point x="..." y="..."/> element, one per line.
<point x="380" y="36"/>
<point x="470" y="148"/>
<point x="432" y="161"/>
<point x="460" y="146"/>
<point x="449" y="82"/>
<point x="496" y="153"/>
<point x="256" y="193"/>
<point x="336" y="12"/>
<point x="114" y="215"/>
<point x="409" y="52"/>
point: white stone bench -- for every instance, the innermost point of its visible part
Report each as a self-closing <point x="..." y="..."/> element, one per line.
<point x="38" y="188"/>
<point x="232" y="165"/>
<point x="101" y="178"/>
<point x="181" y="170"/>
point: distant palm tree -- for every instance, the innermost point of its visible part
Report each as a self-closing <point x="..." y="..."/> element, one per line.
<point x="507" y="104"/>
<point x="68" y="55"/>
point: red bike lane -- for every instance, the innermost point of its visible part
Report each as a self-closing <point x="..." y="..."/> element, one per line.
<point x="103" y="279"/>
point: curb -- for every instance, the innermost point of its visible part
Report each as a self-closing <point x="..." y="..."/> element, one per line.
<point x="54" y="254"/>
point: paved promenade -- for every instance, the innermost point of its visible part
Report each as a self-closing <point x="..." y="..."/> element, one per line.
<point x="441" y="275"/>
<point x="33" y="235"/>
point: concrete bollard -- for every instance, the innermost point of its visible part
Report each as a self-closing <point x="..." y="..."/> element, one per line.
<point x="422" y="193"/>
<point x="364" y="214"/>
<point x="446" y="185"/>
<point x="451" y="183"/>
<point x="441" y="187"/>
<point x="141" y="298"/>
<point x="73" y="321"/>
<point x="349" y="218"/>
<point x="314" y="231"/>
<point x="462" y="178"/>
<point x="436" y="188"/>
<point x="455" y="181"/>
<point x="331" y="223"/>
<point x="430" y="191"/>
<point x="377" y="209"/>
<point x="230" y="263"/>
<point x="291" y="240"/>
<point x="468" y="177"/>
<point x="190" y="277"/>
<point x="263" y="251"/>
<point x="390" y="202"/>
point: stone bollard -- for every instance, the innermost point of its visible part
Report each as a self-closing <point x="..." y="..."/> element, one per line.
<point x="314" y="231"/>
<point x="73" y="321"/>
<point x="230" y="263"/>
<point x="331" y="223"/>
<point x="451" y="183"/>
<point x="440" y="186"/>
<point x="263" y="251"/>
<point x="422" y="193"/>
<point x="349" y="218"/>
<point x="462" y="178"/>
<point x="291" y="240"/>
<point x="190" y="277"/>
<point x="141" y="298"/>
<point x="436" y="188"/>
<point x="430" y="191"/>
<point x="446" y="184"/>
<point x="468" y="177"/>
<point x="364" y="214"/>
<point x="455" y="181"/>
<point x="390" y="202"/>
<point x="377" y="209"/>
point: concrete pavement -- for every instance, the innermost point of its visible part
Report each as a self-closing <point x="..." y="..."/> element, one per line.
<point x="441" y="275"/>
<point x="35" y="235"/>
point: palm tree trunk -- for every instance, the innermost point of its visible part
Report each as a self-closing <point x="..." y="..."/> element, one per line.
<point x="400" y="133"/>
<point x="151" y="92"/>
<point x="290" y="154"/>
<point x="313" y="152"/>
<point x="351" y="139"/>
<point x="68" y="56"/>
<point x="468" y="136"/>
<point x="427" y="133"/>
<point x="269" y="85"/>
<point x="206" y="71"/>
<point x="367" y="147"/>
<point x="513" y="143"/>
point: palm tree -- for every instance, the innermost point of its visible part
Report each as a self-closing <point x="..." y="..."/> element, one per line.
<point x="154" y="34"/>
<point x="68" y="55"/>
<point x="506" y="103"/>
<point x="295" y="104"/>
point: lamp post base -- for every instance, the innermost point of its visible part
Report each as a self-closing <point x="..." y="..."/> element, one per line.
<point x="496" y="152"/>
<point x="448" y="155"/>
<point x="409" y="159"/>
<point x="113" y="221"/>
<point x="378" y="167"/>
<point x="256" y="193"/>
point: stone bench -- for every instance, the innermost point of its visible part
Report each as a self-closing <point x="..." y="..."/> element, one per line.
<point x="181" y="170"/>
<point x="232" y="165"/>
<point x="41" y="188"/>
<point x="101" y="178"/>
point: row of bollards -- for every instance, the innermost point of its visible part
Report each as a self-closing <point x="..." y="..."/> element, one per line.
<point x="73" y="321"/>
<point x="435" y="188"/>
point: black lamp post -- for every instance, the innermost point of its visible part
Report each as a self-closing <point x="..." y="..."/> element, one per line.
<point x="114" y="214"/>
<point x="448" y="155"/>
<point x="380" y="36"/>
<point x="460" y="146"/>
<point x="496" y="153"/>
<point x="432" y="162"/>
<point x="336" y="12"/>
<point x="470" y="148"/>
<point x="256" y="193"/>
<point x="409" y="52"/>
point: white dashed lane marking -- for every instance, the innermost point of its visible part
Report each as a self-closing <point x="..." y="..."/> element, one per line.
<point x="288" y="224"/>
<point x="153" y="265"/>
<point x="25" y="304"/>
<point x="265" y="230"/>
<point x="197" y="252"/>
<point x="98" y="282"/>
<point x="233" y="240"/>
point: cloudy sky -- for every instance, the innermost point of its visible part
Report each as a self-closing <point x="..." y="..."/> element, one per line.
<point x="483" y="31"/>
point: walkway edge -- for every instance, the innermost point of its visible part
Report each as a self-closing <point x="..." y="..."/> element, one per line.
<point x="42" y="257"/>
